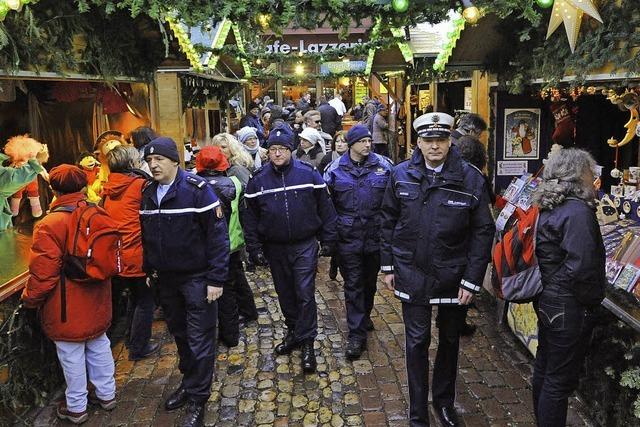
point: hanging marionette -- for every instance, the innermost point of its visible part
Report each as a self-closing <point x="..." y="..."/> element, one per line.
<point x="20" y="149"/>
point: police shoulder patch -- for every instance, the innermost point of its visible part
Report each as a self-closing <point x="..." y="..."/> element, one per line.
<point x="196" y="180"/>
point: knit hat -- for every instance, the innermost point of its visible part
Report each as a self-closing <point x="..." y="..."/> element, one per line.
<point x="264" y="111"/>
<point x="246" y="133"/>
<point x="211" y="158"/>
<point x="67" y="179"/>
<point x="252" y="105"/>
<point x="356" y="133"/>
<point x="281" y="135"/>
<point x="312" y="135"/>
<point x="163" y="146"/>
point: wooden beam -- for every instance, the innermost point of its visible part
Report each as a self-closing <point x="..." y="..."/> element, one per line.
<point x="480" y="99"/>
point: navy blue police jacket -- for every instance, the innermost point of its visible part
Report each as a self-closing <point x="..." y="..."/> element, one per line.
<point x="183" y="235"/>
<point x="357" y="194"/>
<point x="437" y="230"/>
<point x="286" y="205"/>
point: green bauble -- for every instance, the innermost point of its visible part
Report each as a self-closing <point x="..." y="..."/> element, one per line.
<point x="400" y="6"/>
<point x="545" y="3"/>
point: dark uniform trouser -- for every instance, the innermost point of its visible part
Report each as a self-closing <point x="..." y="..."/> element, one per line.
<point x="360" y="273"/>
<point x="293" y="268"/>
<point x="244" y="294"/>
<point x="192" y="322"/>
<point x="236" y="300"/>
<point x="417" y="322"/>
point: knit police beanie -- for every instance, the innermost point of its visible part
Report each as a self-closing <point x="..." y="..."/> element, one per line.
<point x="281" y="135"/>
<point x="163" y="146"/>
<point x="356" y="133"/>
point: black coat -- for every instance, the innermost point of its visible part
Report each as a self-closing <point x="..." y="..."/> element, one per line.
<point x="224" y="189"/>
<point x="436" y="237"/>
<point x="570" y="251"/>
<point x="331" y="120"/>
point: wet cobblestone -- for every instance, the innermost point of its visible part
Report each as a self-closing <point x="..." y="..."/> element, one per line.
<point x="254" y="387"/>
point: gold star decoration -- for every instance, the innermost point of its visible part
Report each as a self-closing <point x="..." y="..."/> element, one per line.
<point x="570" y="12"/>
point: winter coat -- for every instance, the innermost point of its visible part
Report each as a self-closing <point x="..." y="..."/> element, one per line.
<point x="326" y="160"/>
<point x="224" y="188"/>
<point x="288" y="205"/>
<point x="436" y="231"/>
<point x="254" y="122"/>
<point x="182" y="235"/>
<point x="240" y="172"/>
<point x="380" y="130"/>
<point x="570" y="251"/>
<point x="331" y="120"/>
<point x="369" y="112"/>
<point x="87" y="306"/>
<point x="313" y="156"/>
<point x="357" y="195"/>
<point x="11" y="180"/>
<point x="121" y="197"/>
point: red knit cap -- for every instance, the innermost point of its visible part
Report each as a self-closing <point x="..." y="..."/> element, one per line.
<point x="211" y="158"/>
<point x="67" y="179"/>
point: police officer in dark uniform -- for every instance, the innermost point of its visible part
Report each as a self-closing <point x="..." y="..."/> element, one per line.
<point x="186" y="251"/>
<point x="357" y="181"/>
<point x="288" y="210"/>
<point x="436" y="242"/>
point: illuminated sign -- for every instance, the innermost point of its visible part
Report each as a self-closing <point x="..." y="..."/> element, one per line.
<point x="303" y="47"/>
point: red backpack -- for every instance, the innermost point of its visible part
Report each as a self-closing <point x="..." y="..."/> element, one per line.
<point x="516" y="275"/>
<point x="93" y="244"/>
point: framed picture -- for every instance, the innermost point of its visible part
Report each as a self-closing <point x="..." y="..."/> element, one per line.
<point x="522" y="133"/>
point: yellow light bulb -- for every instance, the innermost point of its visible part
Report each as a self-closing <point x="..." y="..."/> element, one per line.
<point x="299" y="69"/>
<point x="471" y="15"/>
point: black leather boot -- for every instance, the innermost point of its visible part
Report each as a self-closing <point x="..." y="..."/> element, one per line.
<point x="194" y="415"/>
<point x="287" y="345"/>
<point x="355" y="348"/>
<point x="177" y="399"/>
<point x="309" y="363"/>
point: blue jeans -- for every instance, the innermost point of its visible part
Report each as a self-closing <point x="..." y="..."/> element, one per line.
<point x="564" y="331"/>
<point x="84" y="360"/>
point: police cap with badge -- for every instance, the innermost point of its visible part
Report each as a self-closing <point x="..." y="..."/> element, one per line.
<point x="433" y="125"/>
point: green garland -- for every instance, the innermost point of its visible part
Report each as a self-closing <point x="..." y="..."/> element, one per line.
<point x="198" y="91"/>
<point x="43" y="35"/>
<point x="526" y="55"/>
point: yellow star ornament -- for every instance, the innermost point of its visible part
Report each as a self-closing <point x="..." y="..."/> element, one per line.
<point x="570" y="12"/>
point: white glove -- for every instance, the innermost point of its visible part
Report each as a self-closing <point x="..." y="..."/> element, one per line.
<point x="213" y="293"/>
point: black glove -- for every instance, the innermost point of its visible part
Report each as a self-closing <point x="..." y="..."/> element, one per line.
<point x="326" y="249"/>
<point x="258" y="258"/>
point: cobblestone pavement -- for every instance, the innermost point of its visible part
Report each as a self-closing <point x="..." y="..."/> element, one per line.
<point x="255" y="387"/>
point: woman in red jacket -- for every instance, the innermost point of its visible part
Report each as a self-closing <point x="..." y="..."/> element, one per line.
<point x="81" y="343"/>
<point x="121" y="196"/>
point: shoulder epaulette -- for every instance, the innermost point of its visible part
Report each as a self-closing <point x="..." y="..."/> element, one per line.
<point x="196" y="180"/>
<point x="147" y="184"/>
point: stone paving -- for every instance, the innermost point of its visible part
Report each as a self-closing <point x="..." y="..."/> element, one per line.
<point x="254" y="387"/>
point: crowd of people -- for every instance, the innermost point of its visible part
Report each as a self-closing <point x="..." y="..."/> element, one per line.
<point x="287" y="188"/>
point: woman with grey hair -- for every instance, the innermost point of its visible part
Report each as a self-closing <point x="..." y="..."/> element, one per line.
<point x="571" y="257"/>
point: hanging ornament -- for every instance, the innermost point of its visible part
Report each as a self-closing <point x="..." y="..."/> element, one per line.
<point x="400" y="6"/>
<point x="544" y="3"/>
<point x="570" y="12"/>
<point x="470" y="13"/>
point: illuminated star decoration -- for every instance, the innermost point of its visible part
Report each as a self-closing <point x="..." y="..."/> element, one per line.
<point x="570" y="12"/>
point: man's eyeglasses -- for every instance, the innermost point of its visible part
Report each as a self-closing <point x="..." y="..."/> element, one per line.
<point x="317" y="121"/>
<point x="275" y="150"/>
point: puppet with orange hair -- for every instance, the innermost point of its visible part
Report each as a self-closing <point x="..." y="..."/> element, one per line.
<point x="105" y="142"/>
<point x="21" y="171"/>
